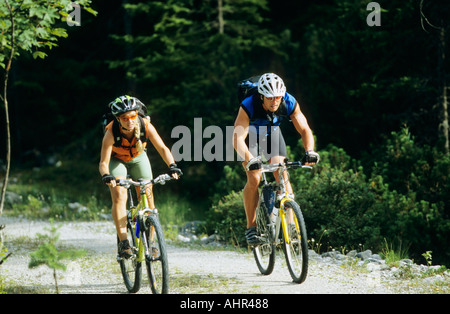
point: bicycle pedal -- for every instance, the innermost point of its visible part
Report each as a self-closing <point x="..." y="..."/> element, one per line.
<point x="121" y="258"/>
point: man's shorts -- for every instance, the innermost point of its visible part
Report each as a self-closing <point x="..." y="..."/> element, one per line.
<point x="139" y="167"/>
<point x="267" y="145"/>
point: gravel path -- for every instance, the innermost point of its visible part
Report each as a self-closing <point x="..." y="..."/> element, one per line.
<point x="192" y="271"/>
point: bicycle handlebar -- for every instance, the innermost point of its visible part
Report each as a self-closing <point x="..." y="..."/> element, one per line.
<point x="161" y="179"/>
<point x="285" y="164"/>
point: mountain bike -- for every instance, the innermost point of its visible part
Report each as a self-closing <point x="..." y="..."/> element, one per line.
<point x="280" y="223"/>
<point x="145" y="234"/>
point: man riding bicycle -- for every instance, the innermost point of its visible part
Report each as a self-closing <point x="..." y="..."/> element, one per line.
<point x="129" y="156"/>
<point x="257" y="132"/>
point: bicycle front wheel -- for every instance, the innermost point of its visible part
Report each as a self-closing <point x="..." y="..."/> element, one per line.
<point x="265" y="252"/>
<point x="130" y="267"/>
<point x="156" y="260"/>
<point x="296" y="246"/>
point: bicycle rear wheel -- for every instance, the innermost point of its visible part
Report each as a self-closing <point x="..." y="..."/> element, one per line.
<point x="157" y="261"/>
<point x="296" y="251"/>
<point x="265" y="252"/>
<point x="130" y="267"/>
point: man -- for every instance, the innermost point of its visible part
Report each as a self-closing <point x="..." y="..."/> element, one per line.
<point x="258" y="122"/>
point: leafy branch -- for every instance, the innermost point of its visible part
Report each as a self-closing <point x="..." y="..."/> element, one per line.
<point x="48" y="253"/>
<point x="29" y="26"/>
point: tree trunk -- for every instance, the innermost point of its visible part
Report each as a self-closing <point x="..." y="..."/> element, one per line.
<point x="56" y="281"/>
<point x="220" y="16"/>
<point x="5" y="102"/>
<point x="8" y="148"/>
<point x="443" y="87"/>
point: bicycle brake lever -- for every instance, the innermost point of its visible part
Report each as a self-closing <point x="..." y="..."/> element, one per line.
<point x="162" y="179"/>
<point x="124" y="183"/>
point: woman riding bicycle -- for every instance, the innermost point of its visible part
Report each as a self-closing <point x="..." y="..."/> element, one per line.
<point x="129" y="158"/>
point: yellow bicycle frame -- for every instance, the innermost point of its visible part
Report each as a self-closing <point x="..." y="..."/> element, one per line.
<point x="142" y="204"/>
<point x="284" y="224"/>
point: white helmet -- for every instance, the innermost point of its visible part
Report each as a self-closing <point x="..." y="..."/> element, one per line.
<point x="271" y="85"/>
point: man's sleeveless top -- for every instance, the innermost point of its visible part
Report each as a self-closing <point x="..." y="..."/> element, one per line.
<point x="252" y="105"/>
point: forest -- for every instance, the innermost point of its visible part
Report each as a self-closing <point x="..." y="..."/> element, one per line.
<point x="372" y="84"/>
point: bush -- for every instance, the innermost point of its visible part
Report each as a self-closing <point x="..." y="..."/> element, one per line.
<point x="398" y="193"/>
<point x="337" y="197"/>
<point x="233" y="178"/>
<point x="421" y="175"/>
<point x="227" y="219"/>
<point x="404" y="197"/>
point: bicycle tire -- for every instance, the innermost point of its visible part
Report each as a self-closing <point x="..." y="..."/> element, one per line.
<point x="130" y="267"/>
<point x="157" y="261"/>
<point x="296" y="252"/>
<point x="264" y="253"/>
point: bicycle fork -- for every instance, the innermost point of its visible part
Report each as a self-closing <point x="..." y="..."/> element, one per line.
<point x="141" y="241"/>
<point x="284" y="221"/>
<point x="142" y="244"/>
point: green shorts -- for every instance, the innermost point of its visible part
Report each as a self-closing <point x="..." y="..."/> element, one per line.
<point x="139" y="167"/>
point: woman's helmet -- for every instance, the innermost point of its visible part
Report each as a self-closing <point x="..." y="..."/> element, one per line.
<point x="271" y="85"/>
<point x="124" y="104"/>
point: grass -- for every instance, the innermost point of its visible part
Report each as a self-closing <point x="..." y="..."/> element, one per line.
<point x="48" y="193"/>
<point x="392" y="255"/>
<point x="184" y="283"/>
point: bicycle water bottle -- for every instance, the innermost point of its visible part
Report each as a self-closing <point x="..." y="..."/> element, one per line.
<point x="137" y="230"/>
<point x="269" y="198"/>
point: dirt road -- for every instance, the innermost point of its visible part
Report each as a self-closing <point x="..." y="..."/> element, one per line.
<point x="192" y="271"/>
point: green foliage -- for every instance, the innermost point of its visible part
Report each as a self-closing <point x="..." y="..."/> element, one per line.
<point x="3" y="252"/>
<point x="428" y="257"/>
<point x="182" y="64"/>
<point x="227" y="219"/>
<point x="50" y="255"/>
<point x="403" y="199"/>
<point x="345" y="207"/>
<point x="35" y="25"/>
<point x="186" y="58"/>
<point x="377" y="88"/>
<point x="392" y="255"/>
<point x="232" y="179"/>
<point x="411" y="168"/>
<point x="44" y="196"/>
<point x="48" y="252"/>
<point x="420" y="174"/>
<point x="339" y="199"/>
<point x="173" y="56"/>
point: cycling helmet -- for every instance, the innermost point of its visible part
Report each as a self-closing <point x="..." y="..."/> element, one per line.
<point x="124" y="104"/>
<point x="271" y="85"/>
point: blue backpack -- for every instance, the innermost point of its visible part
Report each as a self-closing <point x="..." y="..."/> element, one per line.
<point x="247" y="87"/>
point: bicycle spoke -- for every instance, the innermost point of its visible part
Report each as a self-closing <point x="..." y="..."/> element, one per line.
<point x="296" y="247"/>
<point x="264" y="253"/>
<point x="131" y="268"/>
<point x="156" y="260"/>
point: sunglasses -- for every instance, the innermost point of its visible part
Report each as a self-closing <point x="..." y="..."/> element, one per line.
<point x="130" y="117"/>
<point x="273" y="98"/>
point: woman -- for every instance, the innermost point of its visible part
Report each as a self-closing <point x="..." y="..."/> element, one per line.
<point x="129" y="157"/>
